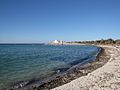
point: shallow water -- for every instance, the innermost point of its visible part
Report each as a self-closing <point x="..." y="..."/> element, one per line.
<point x="19" y="62"/>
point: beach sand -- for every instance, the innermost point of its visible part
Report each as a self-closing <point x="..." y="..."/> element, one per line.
<point x="106" y="77"/>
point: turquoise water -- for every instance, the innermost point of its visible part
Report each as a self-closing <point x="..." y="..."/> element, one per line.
<point x="19" y="62"/>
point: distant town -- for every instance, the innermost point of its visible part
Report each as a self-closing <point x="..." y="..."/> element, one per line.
<point x="96" y="42"/>
<point x="57" y="42"/>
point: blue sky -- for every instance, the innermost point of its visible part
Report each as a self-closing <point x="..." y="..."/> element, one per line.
<point x="71" y="20"/>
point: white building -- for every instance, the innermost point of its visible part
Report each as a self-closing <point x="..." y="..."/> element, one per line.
<point x="56" y="42"/>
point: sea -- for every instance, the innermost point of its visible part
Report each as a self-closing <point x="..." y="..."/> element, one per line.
<point x="20" y="62"/>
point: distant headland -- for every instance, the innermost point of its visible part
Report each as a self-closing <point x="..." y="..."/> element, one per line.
<point x="95" y="42"/>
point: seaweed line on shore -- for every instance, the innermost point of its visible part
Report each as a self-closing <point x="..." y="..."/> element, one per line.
<point x="71" y="74"/>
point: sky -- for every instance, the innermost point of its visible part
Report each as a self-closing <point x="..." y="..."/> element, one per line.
<point x="68" y="20"/>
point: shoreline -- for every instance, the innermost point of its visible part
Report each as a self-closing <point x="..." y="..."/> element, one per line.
<point x="73" y="74"/>
<point x="106" y="77"/>
<point x="77" y="72"/>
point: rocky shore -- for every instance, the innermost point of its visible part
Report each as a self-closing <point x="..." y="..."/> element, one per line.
<point x="106" y="77"/>
<point x="73" y="74"/>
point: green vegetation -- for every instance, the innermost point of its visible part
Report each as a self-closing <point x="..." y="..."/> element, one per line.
<point x="101" y="42"/>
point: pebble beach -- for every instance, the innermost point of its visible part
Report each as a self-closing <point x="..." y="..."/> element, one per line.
<point x="106" y="77"/>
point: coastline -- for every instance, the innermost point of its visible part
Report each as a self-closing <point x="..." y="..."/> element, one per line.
<point x="73" y="74"/>
<point x="77" y="72"/>
<point x="106" y="77"/>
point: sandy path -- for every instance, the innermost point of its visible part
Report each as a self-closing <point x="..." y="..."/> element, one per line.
<point x="105" y="78"/>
